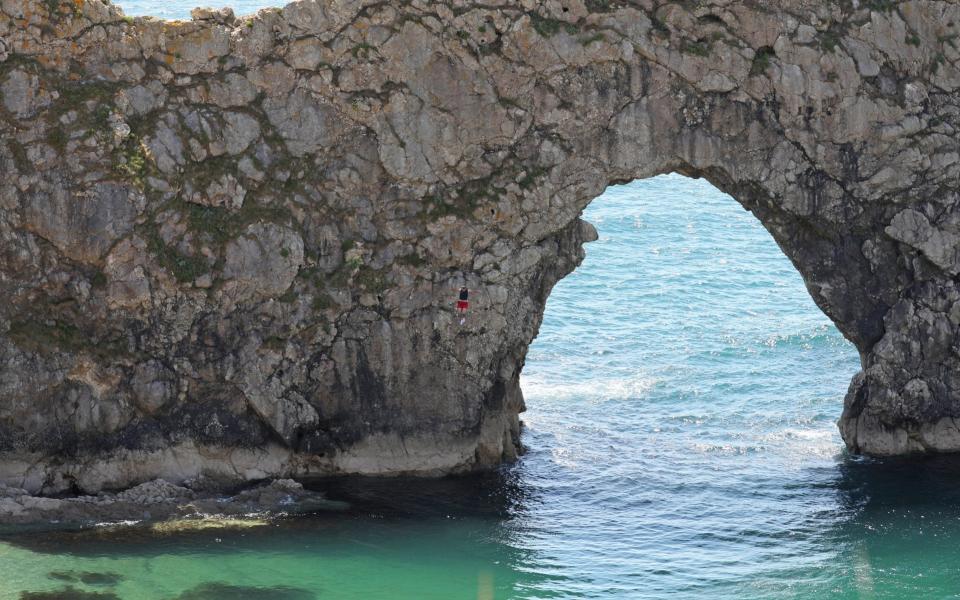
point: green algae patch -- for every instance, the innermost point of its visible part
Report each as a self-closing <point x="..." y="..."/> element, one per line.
<point x="41" y="337"/>
<point x="183" y="267"/>
<point x="206" y="523"/>
<point x="226" y="591"/>
<point x="130" y="162"/>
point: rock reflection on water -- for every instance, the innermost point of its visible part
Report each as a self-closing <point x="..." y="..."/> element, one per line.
<point x="87" y="577"/>
<point x="69" y="593"/>
<point x="204" y="591"/>
<point x="224" y="591"/>
<point x="902" y="524"/>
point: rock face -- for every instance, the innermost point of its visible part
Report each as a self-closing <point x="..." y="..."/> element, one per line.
<point x="229" y="246"/>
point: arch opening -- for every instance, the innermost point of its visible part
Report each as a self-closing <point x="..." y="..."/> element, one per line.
<point x="683" y="390"/>
<point x="687" y="329"/>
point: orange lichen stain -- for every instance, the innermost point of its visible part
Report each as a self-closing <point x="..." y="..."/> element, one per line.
<point x="173" y="25"/>
<point x="78" y="4"/>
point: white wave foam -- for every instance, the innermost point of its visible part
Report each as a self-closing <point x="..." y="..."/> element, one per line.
<point x="595" y="391"/>
<point x="811" y="442"/>
<point x="818" y="443"/>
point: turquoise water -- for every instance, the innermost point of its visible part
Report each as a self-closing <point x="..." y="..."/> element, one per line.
<point x="681" y="443"/>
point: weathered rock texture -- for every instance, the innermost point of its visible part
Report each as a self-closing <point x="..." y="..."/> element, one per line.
<point x="229" y="246"/>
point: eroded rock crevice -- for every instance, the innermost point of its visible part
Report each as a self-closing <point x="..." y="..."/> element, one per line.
<point x="228" y="246"/>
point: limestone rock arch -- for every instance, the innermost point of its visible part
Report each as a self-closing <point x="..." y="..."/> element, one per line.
<point x="228" y="244"/>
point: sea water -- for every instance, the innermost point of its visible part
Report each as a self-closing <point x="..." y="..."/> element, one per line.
<point x="681" y="443"/>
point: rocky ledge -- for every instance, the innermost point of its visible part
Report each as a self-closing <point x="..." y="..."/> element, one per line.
<point x="228" y="246"/>
<point x="164" y="506"/>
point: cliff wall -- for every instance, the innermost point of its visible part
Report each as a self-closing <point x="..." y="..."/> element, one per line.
<point x="228" y="246"/>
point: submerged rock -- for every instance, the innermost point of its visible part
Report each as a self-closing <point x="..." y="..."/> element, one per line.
<point x="229" y="246"/>
<point x="87" y="577"/>
<point x="165" y="507"/>
<point x="226" y="591"/>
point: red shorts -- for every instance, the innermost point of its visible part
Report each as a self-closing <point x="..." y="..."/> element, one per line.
<point x="462" y="304"/>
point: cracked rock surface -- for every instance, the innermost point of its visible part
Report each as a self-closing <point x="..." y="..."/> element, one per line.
<point x="229" y="246"/>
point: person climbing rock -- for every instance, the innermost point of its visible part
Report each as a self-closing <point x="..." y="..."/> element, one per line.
<point x="463" y="303"/>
